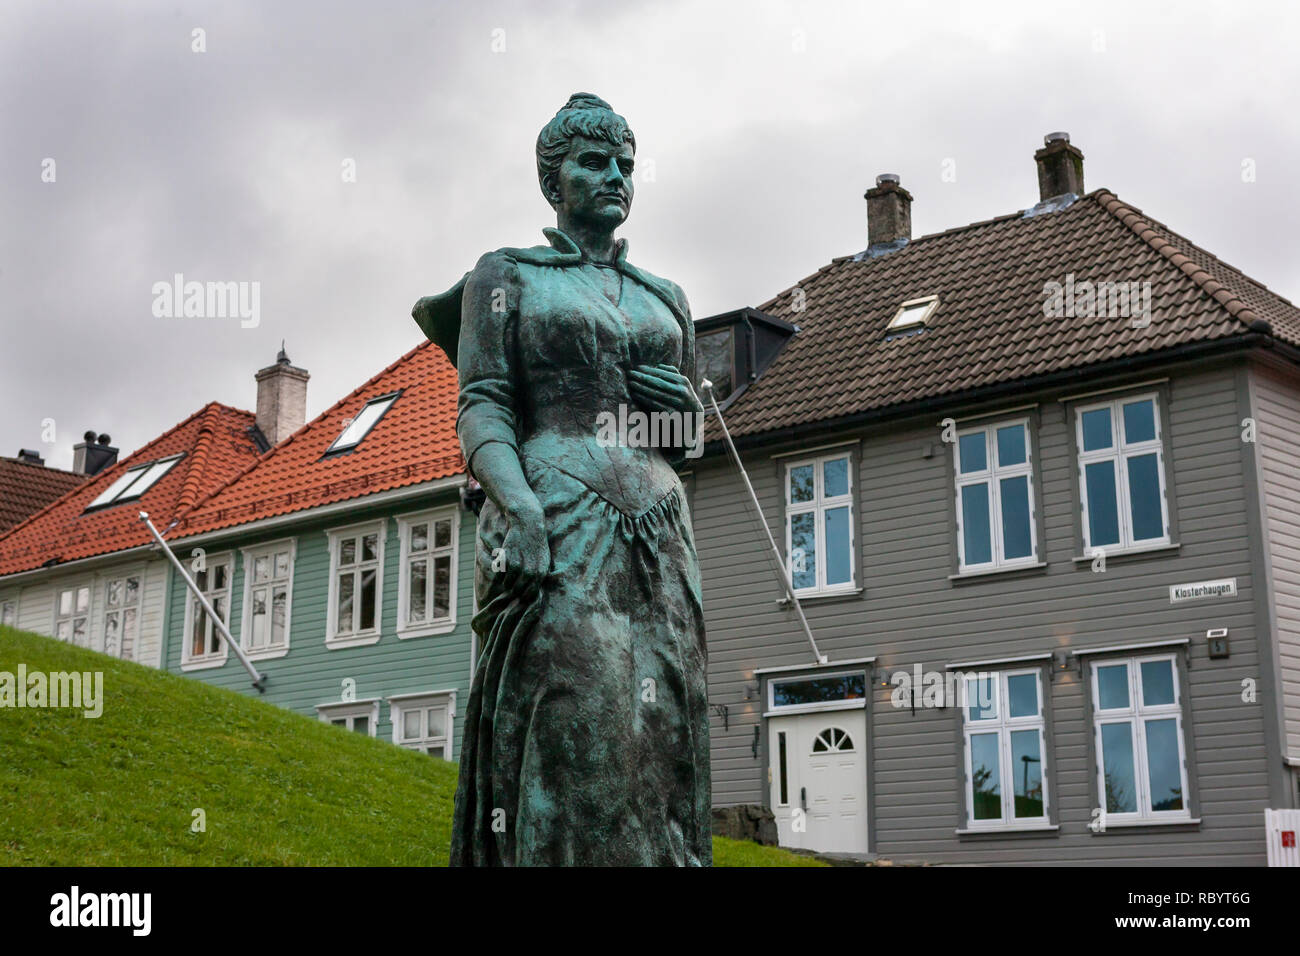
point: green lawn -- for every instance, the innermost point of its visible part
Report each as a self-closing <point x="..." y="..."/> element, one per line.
<point x="276" y="788"/>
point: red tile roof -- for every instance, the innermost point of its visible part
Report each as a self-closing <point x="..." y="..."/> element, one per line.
<point x="216" y="443"/>
<point x="26" y="488"/>
<point x="414" y="442"/>
<point x="990" y="325"/>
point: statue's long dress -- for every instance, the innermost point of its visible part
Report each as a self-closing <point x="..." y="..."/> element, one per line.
<point x="586" y="733"/>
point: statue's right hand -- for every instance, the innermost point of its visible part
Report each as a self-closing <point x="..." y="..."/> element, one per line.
<point x="527" y="550"/>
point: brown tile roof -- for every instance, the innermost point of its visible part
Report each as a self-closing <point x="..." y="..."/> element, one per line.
<point x="216" y="444"/>
<point x="990" y="325"/>
<point x="414" y="442"/>
<point x="26" y="488"/>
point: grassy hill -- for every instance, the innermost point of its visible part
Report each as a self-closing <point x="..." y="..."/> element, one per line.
<point x="276" y="788"/>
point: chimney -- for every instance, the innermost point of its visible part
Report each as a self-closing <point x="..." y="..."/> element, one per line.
<point x="889" y="213"/>
<point x="281" y="399"/>
<point x="31" y="457"/>
<point x="92" y="455"/>
<point x="1060" y="167"/>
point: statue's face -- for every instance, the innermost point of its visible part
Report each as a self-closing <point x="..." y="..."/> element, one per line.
<point x="594" y="184"/>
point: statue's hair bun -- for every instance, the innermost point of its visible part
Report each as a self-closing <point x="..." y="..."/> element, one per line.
<point x="586" y="101"/>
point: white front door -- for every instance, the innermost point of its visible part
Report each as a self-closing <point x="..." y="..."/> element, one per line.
<point x="819" y="780"/>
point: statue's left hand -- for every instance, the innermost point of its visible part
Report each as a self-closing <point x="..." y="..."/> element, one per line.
<point x="662" y="388"/>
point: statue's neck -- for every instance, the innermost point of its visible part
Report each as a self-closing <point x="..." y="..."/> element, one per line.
<point x="596" y="242"/>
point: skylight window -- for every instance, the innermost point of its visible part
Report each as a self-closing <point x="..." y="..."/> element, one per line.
<point x="134" y="482"/>
<point x="360" y="426"/>
<point x="913" y="312"/>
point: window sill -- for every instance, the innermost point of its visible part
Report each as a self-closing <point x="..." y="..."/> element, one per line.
<point x="1009" y="569"/>
<point x="1008" y="830"/>
<point x="1170" y="546"/>
<point x="1135" y="824"/>
<point x="355" y="640"/>
<point x="443" y="627"/>
<point x="267" y="654"/>
<point x="821" y="596"/>
<point x="204" y="665"/>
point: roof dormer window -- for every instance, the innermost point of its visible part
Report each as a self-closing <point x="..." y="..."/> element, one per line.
<point x="913" y="313"/>
<point x="134" y="482"/>
<point x="360" y="427"/>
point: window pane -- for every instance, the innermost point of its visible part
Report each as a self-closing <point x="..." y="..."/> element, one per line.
<point x="1139" y="421"/>
<point x="442" y="533"/>
<point x="112" y="633"/>
<point x="1112" y="686"/>
<point x="713" y="354"/>
<point x="1096" y="429"/>
<point x="1144" y="497"/>
<point x="132" y="591"/>
<point x="79" y="631"/>
<point x="65" y="603"/>
<point x="370" y="547"/>
<point x="417" y="591"/>
<point x="282" y="564"/>
<point x="835" y="478"/>
<point x="1117" y="761"/>
<point x="1011" y="445"/>
<point x="985" y="777"/>
<point x="113" y="593"/>
<point x="1027" y="773"/>
<point x="348" y="551"/>
<point x="819" y="690"/>
<point x="198" y="637"/>
<point x="128" y="634"/>
<point x="1016" y="538"/>
<point x="346" y="585"/>
<point x="420" y="537"/>
<point x="442" y="586"/>
<point x="367" y="599"/>
<point x="1103" y="512"/>
<point x="258" y="619"/>
<point x="1022" y="695"/>
<point x="411" y="725"/>
<point x="62" y="630"/>
<point x="219" y="575"/>
<point x="361" y="725"/>
<point x="981" y="700"/>
<point x="436" y="751"/>
<point x="977" y="538"/>
<point x="839" y="557"/>
<point x="972" y="453"/>
<point x="261" y="569"/>
<point x="279" y="608"/>
<point x="802" y="483"/>
<point x="785" y="779"/>
<point x="83" y="600"/>
<point x="803" y="550"/>
<point x="437" y="722"/>
<point x="1163" y="771"/>
<point x="1157" y="683"/>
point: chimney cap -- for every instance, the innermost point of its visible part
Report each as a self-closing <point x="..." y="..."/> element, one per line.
<point x="1059" y="136"/>
<point x="89" y="437"/>
<point x="27" y="454"/>
<point x="103" y="438"/>
<point x="282" y="358"/>
<point x="888" y="178"/>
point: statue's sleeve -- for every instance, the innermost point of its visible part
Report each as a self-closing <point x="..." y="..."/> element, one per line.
<point x="488" y="357"/>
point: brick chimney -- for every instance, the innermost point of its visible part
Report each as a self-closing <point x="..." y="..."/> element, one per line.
<point x="1060" y="167"/>
<point x="889" y="212"/>
<point x="281" y="399"/>
<point x="92" y="455"/>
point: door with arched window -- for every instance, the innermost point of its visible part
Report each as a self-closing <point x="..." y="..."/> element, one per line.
<point x="819" y="780"/>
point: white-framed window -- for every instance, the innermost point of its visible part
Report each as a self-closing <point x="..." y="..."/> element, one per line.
<point x="204" y="646"/>
<point x="366" y="419"/>
<point x="913" y="312"/>
<point x="122" y="597"/>
<point x="356" y="584"/>
<point x="995" y="496"/>
<point x="268" y="598"/>
<point x="1005" y="750"/>
<point x="819" y="533"/>
<point x="134" y="482"/>
<point x="1122" y="474"/>
<point x="806" y="693"/>
<point x="359" y="716"/>
<point x="1141" y="754"/>
<point x="426" y="589"/>
<point x="9" y="612"/>
<point x="72" y="614"/>
<point x="424" y="722"/>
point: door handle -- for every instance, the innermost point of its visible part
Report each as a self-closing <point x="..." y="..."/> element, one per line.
<point x="803" y="797"/>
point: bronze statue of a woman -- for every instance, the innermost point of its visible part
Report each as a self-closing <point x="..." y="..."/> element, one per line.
<point x="586" y="734"/>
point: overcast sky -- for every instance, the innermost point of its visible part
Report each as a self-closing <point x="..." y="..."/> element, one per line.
<point x="759" y="125"/>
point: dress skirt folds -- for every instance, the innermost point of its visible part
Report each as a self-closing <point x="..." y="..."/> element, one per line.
<point x="586" y="736"/>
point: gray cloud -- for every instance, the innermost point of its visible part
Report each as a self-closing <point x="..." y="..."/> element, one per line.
<point x="764" y="123"/>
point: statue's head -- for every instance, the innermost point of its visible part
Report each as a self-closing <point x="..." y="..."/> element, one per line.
<point x="584" y="162"/>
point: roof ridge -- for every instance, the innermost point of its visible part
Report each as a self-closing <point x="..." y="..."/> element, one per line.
<point x="198" y="460"/>
<point x="1145" y="229"/>
<point x="46" y="468"/>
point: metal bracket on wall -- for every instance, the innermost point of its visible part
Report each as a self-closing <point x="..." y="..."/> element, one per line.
<point x="721" y="711"/>
<point x="754" y="746"/>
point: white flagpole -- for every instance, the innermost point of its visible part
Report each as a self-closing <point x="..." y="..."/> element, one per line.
<point x="259" y="679"/>
<point x="758" y="510"/>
